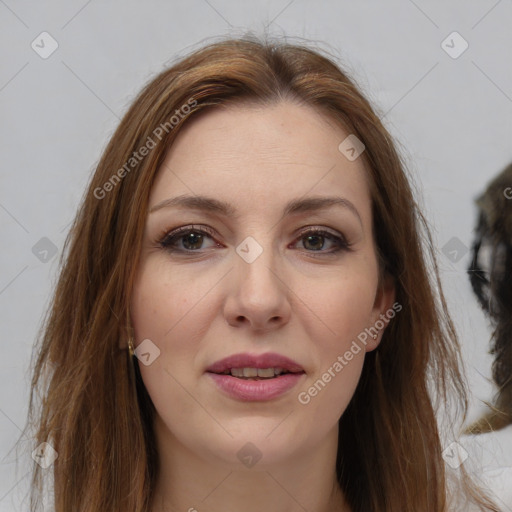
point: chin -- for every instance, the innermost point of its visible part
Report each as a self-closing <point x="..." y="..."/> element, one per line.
<point x="257" y="443"/>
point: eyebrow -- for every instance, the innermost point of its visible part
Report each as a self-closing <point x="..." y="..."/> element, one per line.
<point x="293" y="207"/>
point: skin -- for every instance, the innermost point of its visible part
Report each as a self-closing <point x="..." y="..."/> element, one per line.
<point x="294" y="299"/>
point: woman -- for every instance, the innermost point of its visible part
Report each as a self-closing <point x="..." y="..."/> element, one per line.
<point x="250" y="239"/>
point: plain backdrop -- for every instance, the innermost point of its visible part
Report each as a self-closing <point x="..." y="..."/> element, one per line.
<point x="447" y="99"/>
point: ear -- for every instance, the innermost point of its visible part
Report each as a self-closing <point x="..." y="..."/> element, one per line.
<point x="384" y="309"/>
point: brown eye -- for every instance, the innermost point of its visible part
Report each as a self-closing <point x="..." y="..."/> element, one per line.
<point x="186" y="239"/>
<point x="314" y="240"/>
<point x="192" y="241"/>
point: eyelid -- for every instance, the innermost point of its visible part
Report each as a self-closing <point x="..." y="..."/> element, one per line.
<point x="191" y="227"/>
<point x="314" y="228"/>
<point x="167" y="234"/>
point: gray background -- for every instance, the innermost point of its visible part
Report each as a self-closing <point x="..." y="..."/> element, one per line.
<point x="452" y="116"/>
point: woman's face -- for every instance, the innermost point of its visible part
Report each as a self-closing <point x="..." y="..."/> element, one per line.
<point x="246" y="278"/>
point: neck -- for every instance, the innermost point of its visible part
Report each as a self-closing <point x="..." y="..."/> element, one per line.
<point x="188" y="482"/>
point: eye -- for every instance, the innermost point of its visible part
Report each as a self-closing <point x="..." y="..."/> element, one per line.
<point x="314" y="240"/>
<point x="186" y="239"/>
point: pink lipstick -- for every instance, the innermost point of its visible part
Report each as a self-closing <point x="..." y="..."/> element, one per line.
<point x="250" y="377"/>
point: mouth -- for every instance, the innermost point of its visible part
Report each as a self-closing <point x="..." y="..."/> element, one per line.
<point x="255" y="366"/>
<point x="249" y="377"/>
<point x="256" y="373"/>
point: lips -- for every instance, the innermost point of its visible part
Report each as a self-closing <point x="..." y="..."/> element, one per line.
<point x="263" y="361"/>
<point x="247" y="377"/>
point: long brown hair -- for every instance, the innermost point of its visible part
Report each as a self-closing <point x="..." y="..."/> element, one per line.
<point x="94" y="409"/>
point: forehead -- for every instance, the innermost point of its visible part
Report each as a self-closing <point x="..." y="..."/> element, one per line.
<point x="254" y="156"/>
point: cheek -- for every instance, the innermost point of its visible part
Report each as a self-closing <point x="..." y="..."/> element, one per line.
<point x="343" y="310"/>
<point x="163" y="304"/>
<point x="158" y="308"/>
<point x="174" y="312"/>
<point x="327" y="393"/>
<point x="167" y="309"/>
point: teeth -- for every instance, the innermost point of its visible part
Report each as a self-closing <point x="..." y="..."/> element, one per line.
<point x="250" y="372"/>
<point x="265" y="372"/>
<point x="256" y="372"/>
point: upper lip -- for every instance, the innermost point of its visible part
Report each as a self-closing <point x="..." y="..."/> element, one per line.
<point x="268" y="360"/>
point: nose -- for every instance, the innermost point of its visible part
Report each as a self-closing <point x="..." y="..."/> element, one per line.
<point x="258" y="297"/>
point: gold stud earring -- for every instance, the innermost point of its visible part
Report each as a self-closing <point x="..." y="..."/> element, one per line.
<point x="374" y="336"/>
<point x="130" y="346"/>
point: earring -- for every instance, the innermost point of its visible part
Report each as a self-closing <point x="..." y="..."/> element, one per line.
<point x="130" y="346"/>
<point x="374" y="336"/>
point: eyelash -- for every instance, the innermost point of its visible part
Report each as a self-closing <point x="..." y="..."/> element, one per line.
<point x="167" y="239"/>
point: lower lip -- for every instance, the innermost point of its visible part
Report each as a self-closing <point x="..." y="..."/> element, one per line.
<point x="256" y="390"/>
